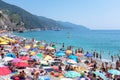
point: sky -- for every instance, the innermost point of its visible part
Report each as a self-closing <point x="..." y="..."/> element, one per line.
<point x="94" y="14"/>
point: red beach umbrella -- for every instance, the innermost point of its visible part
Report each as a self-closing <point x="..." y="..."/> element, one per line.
<point x="25" y="58"/>
<point x="22" y="64"/>
<point x="4" y="71"/>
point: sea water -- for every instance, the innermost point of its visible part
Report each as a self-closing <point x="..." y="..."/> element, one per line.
<point x="106" y="41"/>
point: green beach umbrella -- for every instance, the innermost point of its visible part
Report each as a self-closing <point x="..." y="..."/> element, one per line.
<point x="114" y="71"/>
<point x="40" y="55"/>
<point x="100" y="75"/>
<point x="54" y="47"/>
<point x="72" y="74"/>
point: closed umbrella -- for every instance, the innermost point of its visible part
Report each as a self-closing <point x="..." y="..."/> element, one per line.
<point x="114" y="71"/>
<point x="72" y="74"/>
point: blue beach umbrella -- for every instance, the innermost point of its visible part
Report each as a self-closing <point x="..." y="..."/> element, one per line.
<point x="114" y="71"/>
<point x="72" y="74"/>
<point x="100" y="75"/>
<point x="73" y="57"/>
<point x="11" y="55"/>
<point x="88" y="55"/>
<point x="60" y="54"/>
<point x="44" y="78"/>
<point x="35" y="57"/>
<point x="34" y="49"/>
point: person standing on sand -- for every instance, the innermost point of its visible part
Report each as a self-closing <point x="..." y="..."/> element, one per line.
<point x="119" y="58"/>
<point x="94" y="54"/>
<point x="112" y="57"/>
<point x="63" y="45"/>
<point x="100" y="56"/>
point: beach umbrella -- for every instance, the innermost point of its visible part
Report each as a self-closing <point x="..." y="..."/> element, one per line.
<point x="40" y="55"/>
<point x="114" y="71"/>
<point x="11" y="55"/>
<point x="22" y="64"/>
<point x="73" y="57"/>
<point x="60" y="54"/>
<point x="32" y="53"/>
<point x="27" y="47"/>
<point x="23" y="53"/>
<point x="100" y="75"/>
<point x="72" y="74"/>
<point x="44" y="63"/>
<point x="88" y="55"/>
<point x="17" y="45"/>
<point x="33" y="49"/>
<point x="35" y="57"/>
<point x="16" y="60"/>
<point x="48" y="57"/>
<point x="44" y="78"/>
<point x="8" y="58"/>
<point x="25" y="58"/>
<point x="54" y="47"/>
<point x="3" y="43"/>
<point x="68" y="52"/>
<point x="42" y="47"/>
<point x="4" y="71"/>
<point x="71" y="61"/>
<point x="66" y="79"/>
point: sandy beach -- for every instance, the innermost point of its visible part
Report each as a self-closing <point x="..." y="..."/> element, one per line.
<point x="27" y="59"/>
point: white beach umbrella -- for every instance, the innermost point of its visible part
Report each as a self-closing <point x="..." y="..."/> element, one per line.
<point x="8" y="58"/>
<point x="72" y="61"/>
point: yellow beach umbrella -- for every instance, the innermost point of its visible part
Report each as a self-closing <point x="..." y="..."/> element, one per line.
<point x="9" y="39"/>
<point x="33" y="53"/>
<point x="42" y="47"/>
<point x="27" y="47"/>
<point x="3" y="43"/>
<point x="68" y="52"/>
<point x="48" y="58"/>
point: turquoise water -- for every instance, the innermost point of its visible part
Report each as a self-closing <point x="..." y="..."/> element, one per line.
<point x="107" y="41"/>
